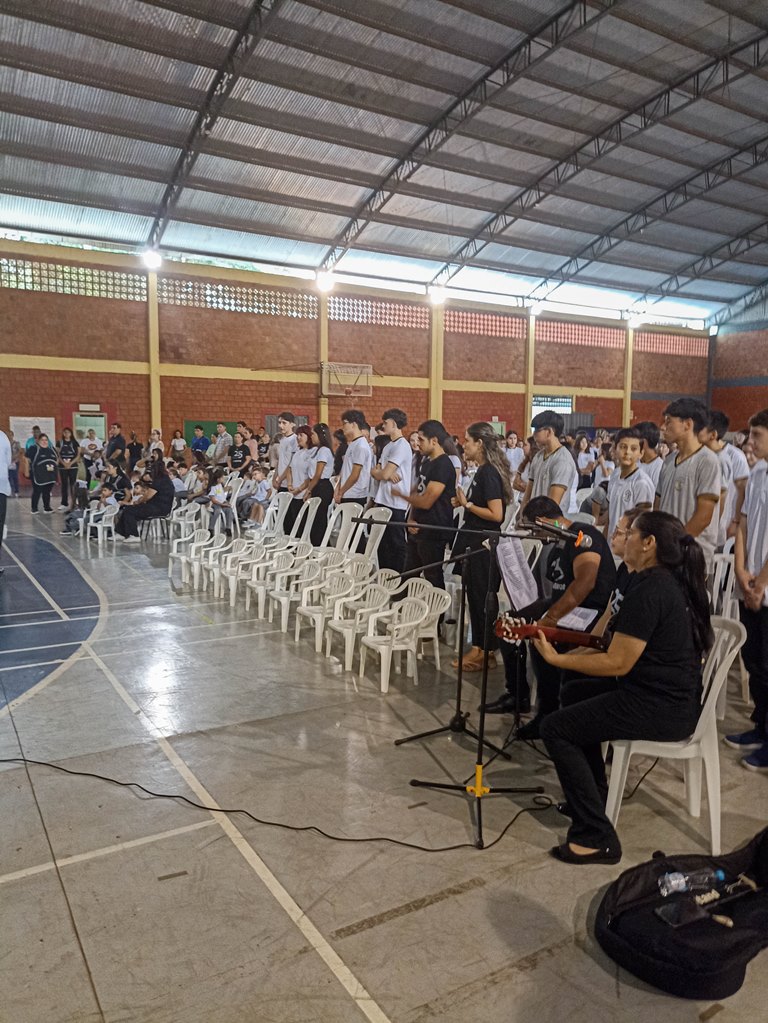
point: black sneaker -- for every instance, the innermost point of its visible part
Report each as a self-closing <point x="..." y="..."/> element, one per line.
<point x="506" y="705"/>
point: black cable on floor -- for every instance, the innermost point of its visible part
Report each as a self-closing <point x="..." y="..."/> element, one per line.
<point x="541" y="803"/>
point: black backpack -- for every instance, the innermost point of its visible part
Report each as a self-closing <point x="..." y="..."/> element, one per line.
<point x="703" y="959"/>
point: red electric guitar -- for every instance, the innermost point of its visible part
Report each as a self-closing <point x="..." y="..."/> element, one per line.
<point x="510" y="629"/>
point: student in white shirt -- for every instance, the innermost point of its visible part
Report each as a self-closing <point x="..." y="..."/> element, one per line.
<point x="689" y="483"/>
<point x="395" y="469"/>
<point x="751" y="562"/>
<point x="302" y="470"/>
<point x="605" y="464"/>
<point x="651" y="461"/>
<point x="355" y="475"/>
<point x="286" y="424"/>
<point x="736" y="479"/>
<point x="585" y="462"/>
<point x="219" y="499"/>
<point x="628" y="487"/>
<point x="319" y="483"/>
<point x="512" y="452"/>
<point x="553" y="471"/>
<point x="709" y="438"/>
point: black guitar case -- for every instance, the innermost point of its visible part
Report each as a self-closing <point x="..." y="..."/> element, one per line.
<point x="704" y="959"/>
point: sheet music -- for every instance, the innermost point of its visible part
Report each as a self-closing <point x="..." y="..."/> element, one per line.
<point x="515" y="574"/>
<point x="579" y="619"/>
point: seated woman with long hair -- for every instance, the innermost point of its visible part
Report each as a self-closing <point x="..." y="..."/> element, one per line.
<point x="646" y="685"/>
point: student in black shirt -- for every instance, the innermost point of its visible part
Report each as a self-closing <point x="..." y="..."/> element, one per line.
<point x="239" y="456"/>
<point x="115" y="449"/>
<point x="430" y="503"/>
<point x="647" y="685"/>
<point x="580" y="577"/>
<point x="43" y="460"/>
<point x="485" y="505"/>
<point x="135" y="451"/>
<point x="69" y="457"/>
<point x="156" y="502"/>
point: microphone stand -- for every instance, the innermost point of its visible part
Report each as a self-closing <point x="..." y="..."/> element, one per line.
<point x="478" y="790"/>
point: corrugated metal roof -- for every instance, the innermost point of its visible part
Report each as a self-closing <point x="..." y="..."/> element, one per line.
<point x="337" y="99"/>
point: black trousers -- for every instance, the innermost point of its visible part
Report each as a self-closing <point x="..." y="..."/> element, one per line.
<point x="754" y="653"/>
<point x="292" y="514"/>
<point x="127" y="523"/>
<point x="424" y="549"/>
<point x="324" y="490"/>
<point x="475" y="573"/>
<point x="392" y="549"/>
<point x="597" y="710"/>
<point x="41" y="491"/>
<point x="68" y="479"/>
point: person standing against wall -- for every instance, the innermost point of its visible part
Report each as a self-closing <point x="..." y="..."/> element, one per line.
<point x="42" y="460"/>
<point x="69" y="459"/>
<point x="6" y="461"/>
<point x="13" y="472"/>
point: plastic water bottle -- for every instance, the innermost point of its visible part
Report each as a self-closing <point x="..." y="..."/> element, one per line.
<point x="696" y="881"/>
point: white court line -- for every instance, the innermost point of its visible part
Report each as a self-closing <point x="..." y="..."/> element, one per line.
<point x="49" y="599"/>
<point x="107" y="850"/>
<point x="354" y="988"/>
<point x="81" y="656"/>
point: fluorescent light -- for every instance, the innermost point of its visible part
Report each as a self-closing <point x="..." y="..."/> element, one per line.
<point x="152" y="259"/>
<point x="537" y="309"/>
<point x="713" y="330"/>
<point x="325" y="280"/>
<point x="436" y="294"/>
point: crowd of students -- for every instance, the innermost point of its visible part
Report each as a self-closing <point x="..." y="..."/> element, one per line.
<point x="663" y="501"/>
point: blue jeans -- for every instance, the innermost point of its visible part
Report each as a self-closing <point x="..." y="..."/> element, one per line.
<point x="13" y="478"/>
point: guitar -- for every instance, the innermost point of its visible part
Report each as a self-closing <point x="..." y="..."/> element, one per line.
<point x="509" y="629"/>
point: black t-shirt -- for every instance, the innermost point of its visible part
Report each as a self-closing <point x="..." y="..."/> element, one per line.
<point x="68" y="450"/>
<point x="119" y="483"/>
<point x="654" y="609"/>
<point x="134" y="451"/>
<point x="560" y="569"/>
<point x="42" y="464"/>
<point x="116" y="448"/>
<point x="238" y="455"/>
<point x="436" y="470"/>
<point x="486" y="486"/>
<point x="162" y="502"/>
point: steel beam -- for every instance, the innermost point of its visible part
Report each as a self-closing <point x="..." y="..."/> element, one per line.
<point x="740" y="60"/>
<point x="238" y="56"/>
<point x="740" y="306"/>
<point x="694" y="187"/>
<point x="534" y="47"/>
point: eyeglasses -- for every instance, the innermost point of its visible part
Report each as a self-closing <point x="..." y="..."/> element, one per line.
<point x="620" y="532"/>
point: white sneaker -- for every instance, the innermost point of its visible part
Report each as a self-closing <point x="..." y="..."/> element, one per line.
<point x="132" y="539"/>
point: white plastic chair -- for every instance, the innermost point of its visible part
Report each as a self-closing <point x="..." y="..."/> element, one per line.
<point x="402" y="634"/>
<point x="582" y="494"/>
<point x="181" y="547"/>
<point x="319" y="604"/>
<point x="272" y="526"/>
<point x="370" y="532"/>
<point x="702" y="748"/>
<point x="261" y="585"/>
<point x="438" y="602"/>
<point x="374" y="599"/>
<point x="584" y="518"/>
<point x="205" y="557"/>
<point x="238" y="570"/>
<point x="290" y="588"/>
<point x="302" y="526"/>
<point x="341" y="520"/>
<point x="224" y="557"/>
<point x="389" y="578"/>
<point x="105" y="525"/>
<point x="184" y="520"/>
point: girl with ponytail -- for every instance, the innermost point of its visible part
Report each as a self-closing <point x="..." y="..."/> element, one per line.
<point x="646" y="685"/>
<point x="485" y="504"/>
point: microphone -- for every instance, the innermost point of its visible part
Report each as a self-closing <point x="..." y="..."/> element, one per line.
<point x="579" y="539"/>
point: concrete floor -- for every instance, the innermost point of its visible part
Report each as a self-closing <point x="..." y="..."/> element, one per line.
<point x="116" y="906"/>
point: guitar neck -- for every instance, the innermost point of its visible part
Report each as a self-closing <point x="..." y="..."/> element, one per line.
<point x="505" y="629"/>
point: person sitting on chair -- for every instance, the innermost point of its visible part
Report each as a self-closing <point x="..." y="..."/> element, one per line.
<point x="646" y="685"/>
<point x="580" y="577"/>
<point x="156" y="502"/>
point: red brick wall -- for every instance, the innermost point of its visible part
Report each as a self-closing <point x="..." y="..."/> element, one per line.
<point x="741" y="354"/>
<point x="186" y="398"/>
<point x="392" y="351"/>
<point x="648" y="409"/>
<point x="125" y="398"/>
<point x="72" y="326"/>
<point x="607" y="411"/>
<point x="212" y="337"/>
<point x="739" y="403"/>
<point x="578" y="354"/>
<point x="669" y="374"/>
<point x="460" y="408"/>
